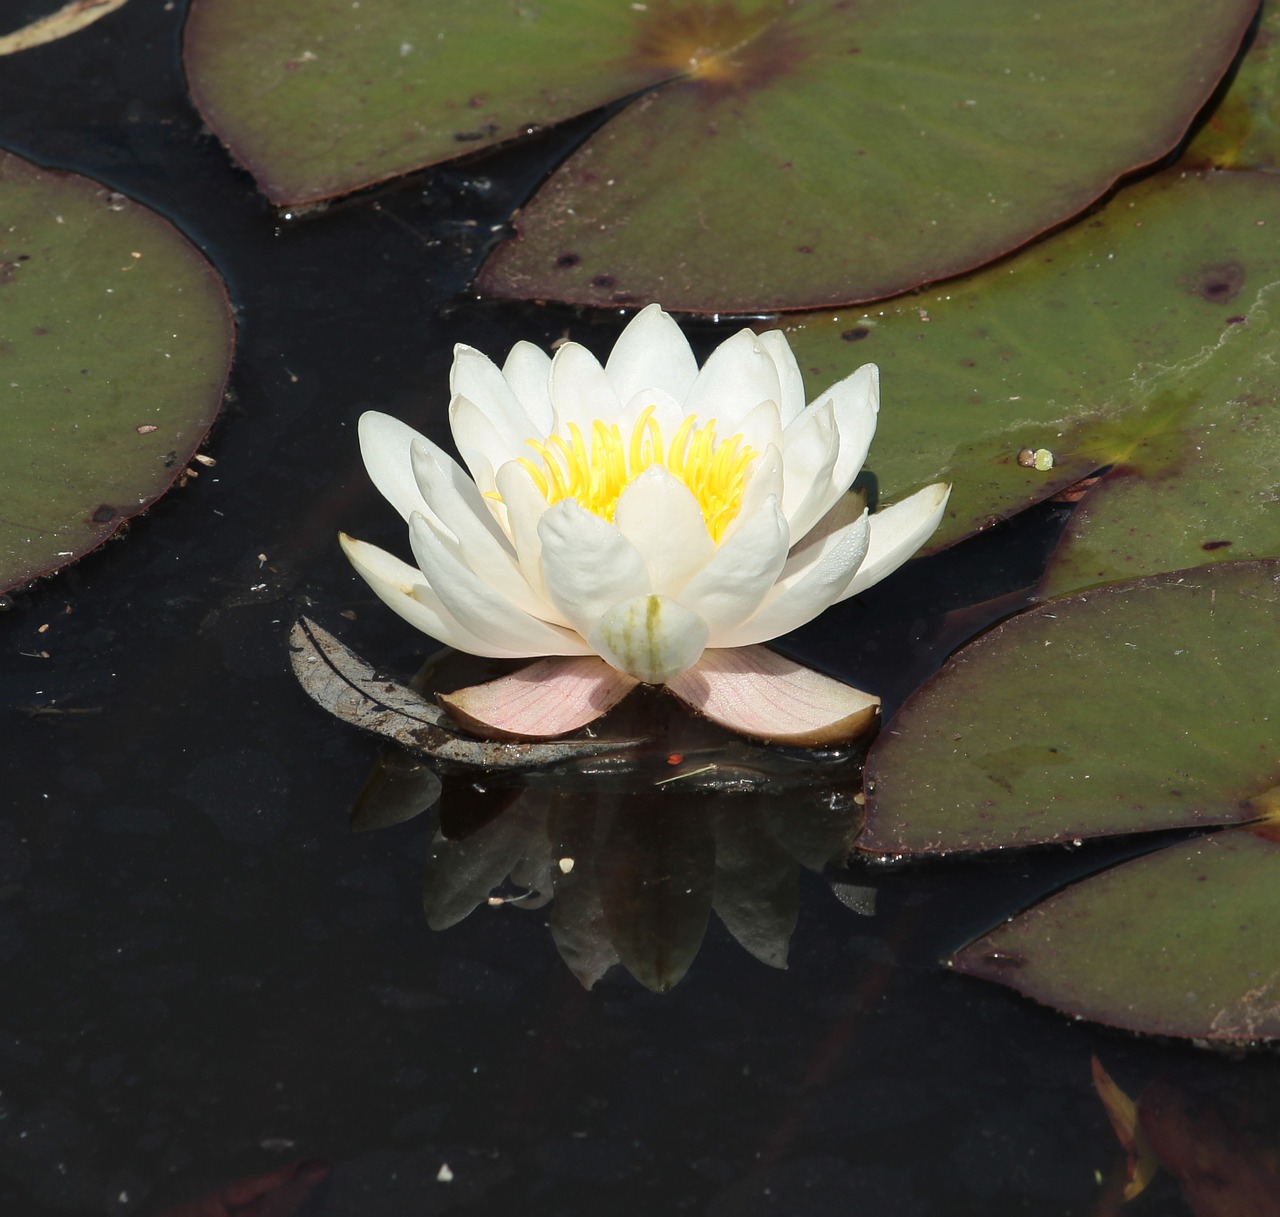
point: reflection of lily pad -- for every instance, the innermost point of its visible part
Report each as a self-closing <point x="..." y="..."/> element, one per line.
<point x="116" y="343"/>
<point x="1142" y="705"/>
<point x="834" y="152"/>
<point x="1122" y="340"/>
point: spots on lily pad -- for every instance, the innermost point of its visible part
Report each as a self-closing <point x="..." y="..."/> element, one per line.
<point x="104" y="513"/>
<point x="566" y="260"/>
<point x="1217" y="283"/>
<point x="1212" y="545"/>
<point x="857" y="334"/>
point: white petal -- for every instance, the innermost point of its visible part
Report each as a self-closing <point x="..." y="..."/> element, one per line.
<point x="525" y="505"/>
<point x="480" y="608"/>
<point x="650" y="637"/>
<point x="667" y="413"/>
<point x="813" y="579"/>
<point x="588" y="564"/>
<point x="384" y="445"/>
<point x="810" y="447"/>
<point x="791" y="400"/>
<point x="479" y="442"/>
<point x="651" y="353"/>
<point x="759" y="428"/>
<point x="580" y="390"/>
<point x="764" y="478"/>
<point x="528" y="372"/>
<point x="731" y="586"/>
<point x="658" y="514"/>
<point x="757" y="692"/>
<point x="403" y="589"/>
<point x="897" y="532"/>
<point x="477" y="378"/>
<point x="738" y="376"/>
<point x="857" y="405"/>
<point x="547" y="698"/>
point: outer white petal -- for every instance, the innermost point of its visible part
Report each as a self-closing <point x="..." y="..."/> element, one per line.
<point x="810" y="447"/>
<point x="483" y="447"/>
<point x="384" y="445"/>
<point x="402" y="589"/>
<point x="813" y="579"/>
<point x="580" y="390"/>
<point x="452" y="498"/>
<point x="731" y="586"/>
<point x="857" y="406"/>
<point x="650" y="637"/>
<point x="477" y="378"/>
<point x="897" y="532"/>
<point x="528" y="372"/>
<point x="791" y="400"/>
<point x="738" y="376"/>
<point x="480" y="608"/>
<point x="651" y="353"/>
<point x="658" y="514"/>
<point x="588" y="564"/>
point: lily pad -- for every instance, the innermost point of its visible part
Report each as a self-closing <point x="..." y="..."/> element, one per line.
<point x="1128" y="340"/>
<point x="783" y="155"/>
<point x="1179" y="942"/>
<point x="117" y="342"/>
<point x="1143" y="705"/>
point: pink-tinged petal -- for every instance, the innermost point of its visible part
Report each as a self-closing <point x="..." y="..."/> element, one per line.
<point x="528" y="371"/>
<point x="658" y="514"/>
<point x="759" y="693"/>
<point x="810" y="446"/>
<point x="481" y="445"/>
<point x="547" y="698"/>
<point x="726" y="591"/>
<point x="483" y="610"/>
<point x="650" y="637"/>
<point x="897" y="532"/>
<point x="403" y="589"/>
<point x="453" y="500"/>
<point x="651" y="353"/>
<point x="384" y="445"/>
<point x="477" y="378"/>
<point x="813" y="579"/>
<point x="738" y="376"/>
<point x="588" y="564"/>
<point x="524" y="506"/>
<point x="791" y="400"/>
<point x="580" y="390"/>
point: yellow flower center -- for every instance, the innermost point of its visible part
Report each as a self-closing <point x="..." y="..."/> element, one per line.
<point x="596" y="471"/>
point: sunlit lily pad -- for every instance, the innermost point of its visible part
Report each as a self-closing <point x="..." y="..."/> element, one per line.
<point x="793" y="154"/>
<point x="1179" y="942"/>
<point x="1143" y="337"/>
<point x="1142" y="705"/>
<point x="117" y="340"/>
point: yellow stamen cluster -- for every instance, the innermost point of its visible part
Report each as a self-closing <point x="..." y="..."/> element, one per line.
<point x="596" y="471"/>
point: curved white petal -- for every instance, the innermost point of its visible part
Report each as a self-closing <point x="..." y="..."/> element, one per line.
<point x="738" y="376"/>
<point x="732" y="585"/>
<point x="525" y="505"/>
<point x="764" y="478"/>
<point x="650" y="637"/>
<point x="810" y="447"/>
<point x="759" y="428"/>
<point x="384" y="446"/>
<point x="667" y="413"/>
<point x="580" y="390"/>
<point x="651" y="353"/>
<point x="481" y="445"/>
<point x="658" y="514"/>
<point x="477" y="378"/>
<point x="857" y="405"/>
<point x="791" y="399"/>
<point x="588" y="564"/>
<point x="897" y="532"/>
<point x="528" y="371"/>
<point x="478" y="607"/>
<point x="402" y="589"/>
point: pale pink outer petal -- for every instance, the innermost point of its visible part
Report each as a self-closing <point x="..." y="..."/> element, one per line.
<point x="738" y="376"/>
<point x="588" y="564"/>
<point x="580" y="390"/>
<point x="479" y="442"/>
<point x="810" y="447"/>
<point x="758" y="692"/>
<point x="384" y="445"/>
<point x="483" y="610"/>
<point x="726" y="591"/>
<point x="813" y="579"/>
<point x="547" y="698"/>
<point x="403" y="589"/>
<point x="477" y="378"/>
<point x="651" y="353"/>
<point x="651" y="637"/>
<point x="897" y="532"/>
<point x="453" y="500"/>
<point x="791" y="400"/>
<point x="528" y="371"/>
<point x="658" y="514"/>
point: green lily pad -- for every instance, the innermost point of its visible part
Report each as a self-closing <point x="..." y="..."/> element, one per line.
<point x="1124" y="340"/>
<point x="1137" y="706"/>
<point x="1179" y="942"/>
<point x="786" y="155"/>
<point x="117" y="341"/>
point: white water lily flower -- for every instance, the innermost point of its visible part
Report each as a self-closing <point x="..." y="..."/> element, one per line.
<point x="641" y="518"/>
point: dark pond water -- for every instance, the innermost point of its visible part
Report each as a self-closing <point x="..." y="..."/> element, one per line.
<point x="207" y="978"/>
